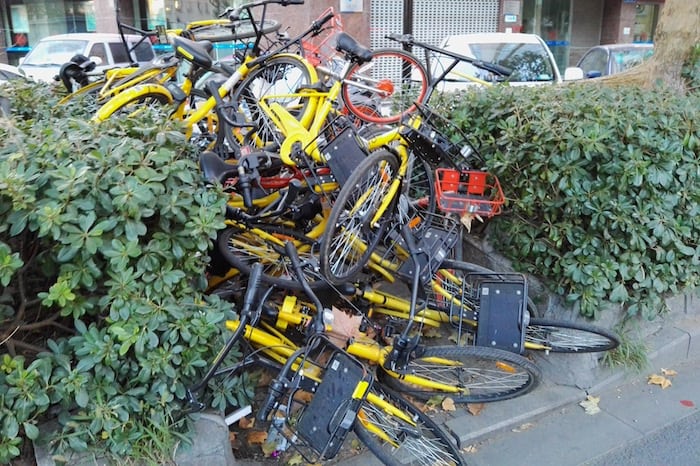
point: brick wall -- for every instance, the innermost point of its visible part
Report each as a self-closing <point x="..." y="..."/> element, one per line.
<point x="296" y="18"/>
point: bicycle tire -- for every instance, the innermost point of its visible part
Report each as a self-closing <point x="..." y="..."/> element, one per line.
<point x="136" y="102"/>
<point x="349" y="239"/>
<point x="281" y="75"/>
<point x="481" y="374"/>
<point x="423" y="444"/>
<point x="385" y="89"/>
<point x="242" y="247"/>
<point x="224" y="30"/>
<point x="570" y="337"/>
<point x="419" y="185"/>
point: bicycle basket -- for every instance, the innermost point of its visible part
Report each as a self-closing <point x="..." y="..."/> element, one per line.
<point x="319" y="49"/>
<point x="435" y="236"/>
<point x="468" y="192"/>
<point x="326" y="393"/>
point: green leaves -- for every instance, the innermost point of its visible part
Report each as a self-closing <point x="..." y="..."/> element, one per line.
<point x="603" y="186"/>
<point x="109" y="228"/>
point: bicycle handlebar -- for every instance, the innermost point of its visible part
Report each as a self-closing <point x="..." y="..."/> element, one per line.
<point x="407" y="39"/>
<point x="318" y="24"/>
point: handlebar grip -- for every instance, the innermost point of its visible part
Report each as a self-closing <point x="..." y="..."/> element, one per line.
<point x="316" y="25"/>
<point x="293" y="189"/>
<point x="244" y="184"/>
<point x="292" y="2"/>
<point x="253" y="283"/>
<point x="403" y="38"/>
<point x="493" y="67"/>
<point x="276" y="390"/>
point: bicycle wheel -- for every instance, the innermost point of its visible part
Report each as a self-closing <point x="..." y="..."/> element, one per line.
<point x="419" y="185"/>
<point x="277" y="81"/>
<point x="397" y="442"/>
<point x="242" y="247"/>
<point x="386" y="88"/>
<point x="350" y="236"/>
<point x="224" y="30"/>
<point x="133" y="101"/>
<point x="479" y="374"/>
<point x="568" y="337"/>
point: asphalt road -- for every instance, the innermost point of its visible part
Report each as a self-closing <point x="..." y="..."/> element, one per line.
<point x="677" y="444"/>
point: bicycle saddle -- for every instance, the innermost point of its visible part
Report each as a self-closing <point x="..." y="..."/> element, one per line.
<point x="196" y="52"/>
<point x="352" y="48"/>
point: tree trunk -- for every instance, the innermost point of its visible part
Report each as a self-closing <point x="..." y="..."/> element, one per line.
<point x="677" y="33"/>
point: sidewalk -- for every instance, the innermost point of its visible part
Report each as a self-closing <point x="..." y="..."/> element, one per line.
<point x="548" y="426"/>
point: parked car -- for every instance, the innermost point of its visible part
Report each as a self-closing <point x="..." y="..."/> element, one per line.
<point x="9" y="72"/>
<point x="604" y="60"/>
<point x="527" y="55"/>
<point x="44" y="61"/>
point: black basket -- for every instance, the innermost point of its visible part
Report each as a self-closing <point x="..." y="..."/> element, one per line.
<point x="434" y="235"/>
<point x="321" y="405"/>
<point x="487" y="309"/>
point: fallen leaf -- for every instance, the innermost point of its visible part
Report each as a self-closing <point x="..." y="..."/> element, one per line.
<point x="469" y="449"/>
<point x="303" y="396"/>
<point x="269" y="448"/>
<point x="523" y="427"/>
<point x="660" y="380"/>
<point x="432" y="332"/>
<point x="475" y="408"/>
<point x="590" y="404"/>
<point x="688" y="403"/>
<point x="246" y="423"/>
<point x="257" y="437"/>
<point x="295" y="459"/>
<point x="468" y="218"/>
<point x="668" y="372"/>
<point x="433" y="402"/>
<point x="448" y="404"/>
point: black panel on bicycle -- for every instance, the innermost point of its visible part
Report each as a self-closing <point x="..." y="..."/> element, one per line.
<point x="501" y="310"/>
<point x="331" y="412"/>
<point x="343" y="154"/>
<point x="434" y="246"/>
<point x="435" y="148"/>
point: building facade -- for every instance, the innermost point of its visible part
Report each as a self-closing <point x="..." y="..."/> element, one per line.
<point x="568" y="26"/>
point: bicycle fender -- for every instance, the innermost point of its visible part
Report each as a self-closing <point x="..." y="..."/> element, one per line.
<point x="121" y="99"/>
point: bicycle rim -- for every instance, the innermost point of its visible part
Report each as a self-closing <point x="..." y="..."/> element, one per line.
<point x="134" y="105"/>
<point x="350" y="239"/>
<point x="397" y="442"/>
<point x="280" y="76"/>
<point x="568" y="337"/>
<point x="386" y="88"/>
<point x="476" y="374"/>
<point x="242" y="247"/>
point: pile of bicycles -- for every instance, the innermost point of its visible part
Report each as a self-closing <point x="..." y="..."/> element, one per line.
<point x="344" y="227"/>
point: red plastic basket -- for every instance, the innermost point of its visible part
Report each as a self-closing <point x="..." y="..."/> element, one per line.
<point x="320" y="49"/>
<point x="468" y="192"/>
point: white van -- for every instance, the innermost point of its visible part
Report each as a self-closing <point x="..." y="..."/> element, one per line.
<point x="45" y="59"/>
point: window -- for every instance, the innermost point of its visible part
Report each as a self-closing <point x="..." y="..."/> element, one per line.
<point x="99" y="50"/>
<point x="594" y="63"/>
